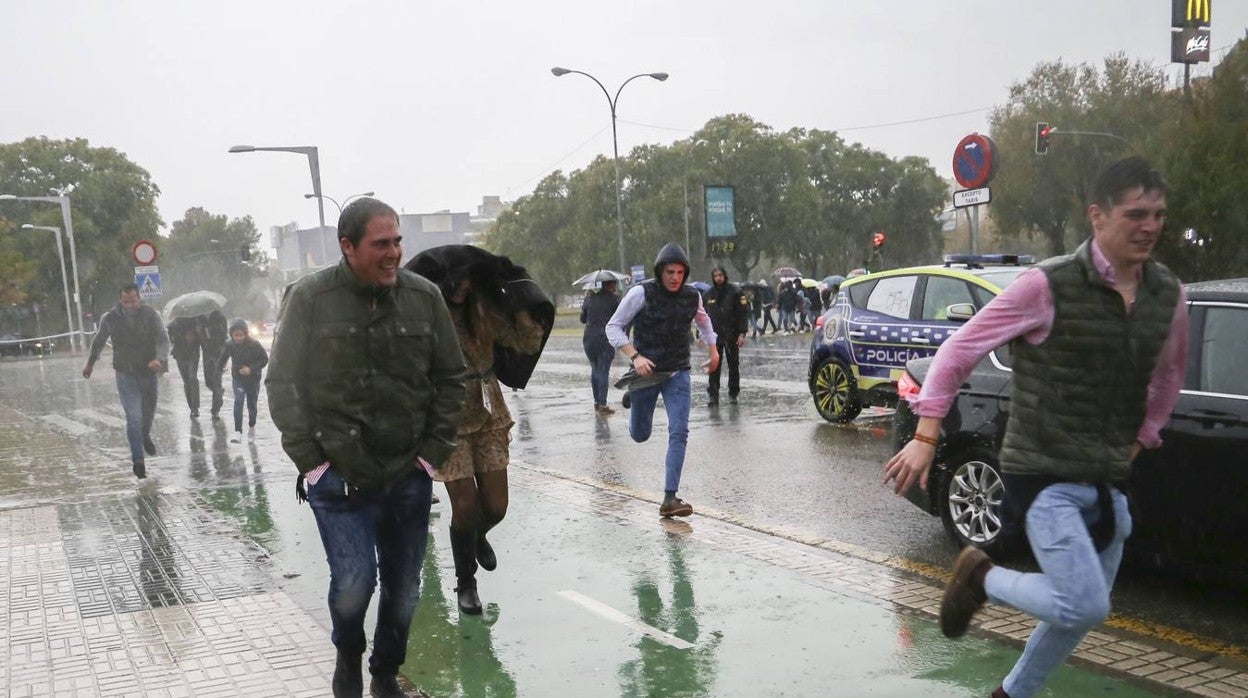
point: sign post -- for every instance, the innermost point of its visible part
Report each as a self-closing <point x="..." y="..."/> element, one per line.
<point x="974" y="164"/>
<point x="721" y="221"/>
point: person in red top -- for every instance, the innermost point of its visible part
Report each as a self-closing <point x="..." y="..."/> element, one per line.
<point x="1111" y="276"/>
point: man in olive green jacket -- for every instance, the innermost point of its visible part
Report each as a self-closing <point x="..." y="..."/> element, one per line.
<point x="366" y="386"/>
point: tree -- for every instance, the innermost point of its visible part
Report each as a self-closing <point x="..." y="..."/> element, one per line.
<point x="1047" y="194"/>
<point x="113" y="204"/>
<point x="210" y="252"/>
<point x="1207" y="145"/>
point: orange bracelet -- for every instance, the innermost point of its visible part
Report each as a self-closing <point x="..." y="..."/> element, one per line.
<point x="925" y="440"/>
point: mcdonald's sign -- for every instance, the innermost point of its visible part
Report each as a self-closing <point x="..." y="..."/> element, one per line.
<point x="1185" y="14"/>
<point x="1189" y="46"/>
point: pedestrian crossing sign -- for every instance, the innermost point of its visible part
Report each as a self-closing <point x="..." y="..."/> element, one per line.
<point x="148" y="281"/>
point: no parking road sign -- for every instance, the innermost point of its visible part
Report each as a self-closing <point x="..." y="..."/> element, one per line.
<point x="148" y="281"/>
<point x="974" y="161"/>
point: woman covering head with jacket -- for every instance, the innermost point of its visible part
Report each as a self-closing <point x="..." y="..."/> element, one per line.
<point x="502" y="319"/>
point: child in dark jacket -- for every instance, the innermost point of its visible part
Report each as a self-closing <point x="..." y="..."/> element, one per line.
<point x="249" y="360"/>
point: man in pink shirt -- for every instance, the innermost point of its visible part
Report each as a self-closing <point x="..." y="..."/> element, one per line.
<point x="1100" y="343"/>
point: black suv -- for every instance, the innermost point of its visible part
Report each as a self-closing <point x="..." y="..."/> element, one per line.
<point x="1187" y="497"/>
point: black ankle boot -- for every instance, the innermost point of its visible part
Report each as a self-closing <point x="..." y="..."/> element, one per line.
<point x="466" y="595"/>
<point x="348" y="677"/>
<point x="485" y="553"/>
<point x="464" y="550"/>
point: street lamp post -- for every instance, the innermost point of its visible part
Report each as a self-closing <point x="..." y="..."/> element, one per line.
<point x="345" y="201"/>
<point x="314" y="163"/>
<point x="77" y="339"/>
<point x="615" y="145"/>
<point x="60" y="253"/>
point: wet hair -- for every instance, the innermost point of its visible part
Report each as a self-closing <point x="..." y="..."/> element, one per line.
<point x="1121" y="177"/>
<point x="127" y="289"/>
<point x="357" y="214"/>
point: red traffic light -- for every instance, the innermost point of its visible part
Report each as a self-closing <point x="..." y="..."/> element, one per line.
<point x="1043" y="131"/>
<point x="877" y="240"/>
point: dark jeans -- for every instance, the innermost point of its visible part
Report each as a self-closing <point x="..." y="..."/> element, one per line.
<point x="138" y="401"/>
<point x="367" y="536"/>
<point x="600" y="358"/>
<point x="245" y="389"/>
<point x="768" y="320"/>
<point x="188" y="367"/>
<point x="729" y="353"/>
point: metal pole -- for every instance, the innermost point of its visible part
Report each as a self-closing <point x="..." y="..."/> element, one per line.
<point x="314" y="162"/>
<point x="60" y="252"/>
<point x="619" y="196"/>
<point x="68" y="219"/>
<point x="973" y="213"/>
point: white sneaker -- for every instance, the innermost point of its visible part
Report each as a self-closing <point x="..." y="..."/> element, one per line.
<point x="237" y="437"/>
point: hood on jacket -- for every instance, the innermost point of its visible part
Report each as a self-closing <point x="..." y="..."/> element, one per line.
<point x="670" y="254"/>
<point x="237" y="324"/>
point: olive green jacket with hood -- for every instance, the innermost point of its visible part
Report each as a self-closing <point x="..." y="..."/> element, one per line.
<point x="365" y="377"/>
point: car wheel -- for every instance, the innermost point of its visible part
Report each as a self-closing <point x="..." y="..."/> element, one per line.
<point x="972" y="505"/>
<point x="835" y="392"/>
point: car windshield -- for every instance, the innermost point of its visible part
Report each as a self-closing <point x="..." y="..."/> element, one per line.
<point x="1001" y="277"/>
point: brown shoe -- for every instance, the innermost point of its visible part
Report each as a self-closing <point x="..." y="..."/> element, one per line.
<point x="965" y="593"/>
<point x="676" y="507"/>
<point x="603" y="409"/>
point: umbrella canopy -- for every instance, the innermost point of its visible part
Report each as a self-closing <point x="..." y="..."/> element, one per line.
<point x="809" y="283"/>
<point x="858" y="272"/>
<point x="701" y="286"/>
<point x="783" y="272"/>
<point x="833" y="280"/>
<point x="600" y="276"/>
<point x="192" y="304"/>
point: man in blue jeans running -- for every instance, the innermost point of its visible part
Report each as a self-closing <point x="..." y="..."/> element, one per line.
<point x="1099" y="342"/>
<point x="140" y="353"/>
<point x="659" y="311"/>
<point x="366" y="385"/>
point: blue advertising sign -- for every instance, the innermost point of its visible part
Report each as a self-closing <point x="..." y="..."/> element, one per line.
<point x="638" y="273"/>
<point x="720" y="206"/>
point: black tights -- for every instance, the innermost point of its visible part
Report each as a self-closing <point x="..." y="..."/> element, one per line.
<point x="478" y="502"/>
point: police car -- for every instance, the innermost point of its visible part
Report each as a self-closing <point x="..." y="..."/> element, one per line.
<point x="880" y="321"/>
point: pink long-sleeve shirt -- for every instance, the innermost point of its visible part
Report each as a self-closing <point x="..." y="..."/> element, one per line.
<point x="1025" y="309"/>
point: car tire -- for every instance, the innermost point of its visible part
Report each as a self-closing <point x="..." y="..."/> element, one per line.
<point x="972" y="503"/>
<point x="835" y="392"/>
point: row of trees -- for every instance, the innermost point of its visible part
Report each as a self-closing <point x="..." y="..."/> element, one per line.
<point x="113" y="202"/>
<point x="803" y="196"/>
<point x="809" y="199"/>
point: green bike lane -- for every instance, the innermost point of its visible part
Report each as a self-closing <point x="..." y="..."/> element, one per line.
<point x="595" y="595"/>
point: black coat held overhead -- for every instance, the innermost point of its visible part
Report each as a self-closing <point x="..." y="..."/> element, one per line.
<point x="501" y="283"/>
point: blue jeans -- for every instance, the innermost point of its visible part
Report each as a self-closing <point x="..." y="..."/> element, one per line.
<point x="677" y="397"/>
<point x="138" y="401"/>
<point x="600" y="359"/>
<point x="1071" y="595"/>
<point x="245" y="390"/>
<point x="367" y="535"/>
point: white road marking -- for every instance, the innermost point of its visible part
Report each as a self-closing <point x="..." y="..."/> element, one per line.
<point x="67" y="424"/>
<point x="601" y="609"/>
<point x="92" y="415"/>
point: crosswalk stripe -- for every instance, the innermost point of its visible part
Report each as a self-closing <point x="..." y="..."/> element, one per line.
<point x="67" y="424"/>
<point x="97" y="416"/>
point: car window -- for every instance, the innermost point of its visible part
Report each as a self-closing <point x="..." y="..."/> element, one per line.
<point x="1001" y="277"/>
<point x="1221" y="351"/>
<point x="892" y="296"/>
<point x="858" y="293"/>
<point x="941" y="293"/>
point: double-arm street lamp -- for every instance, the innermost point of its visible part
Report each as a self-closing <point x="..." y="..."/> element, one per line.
<point x="314" y="162"/>
<point x="60" y="253"/>
<point x="615" y="145"/>
<point x="334" y="201"/>
<point x="77" y="339"/>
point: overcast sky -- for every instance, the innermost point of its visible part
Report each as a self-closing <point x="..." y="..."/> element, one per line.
<point x="433" y="105"/>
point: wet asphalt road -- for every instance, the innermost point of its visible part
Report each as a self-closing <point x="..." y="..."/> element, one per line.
<point x="771" y="459"/>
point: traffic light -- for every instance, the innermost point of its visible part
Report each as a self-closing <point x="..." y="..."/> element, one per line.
<point x="1043" y="131"/>
<point x="877" y="240"/>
